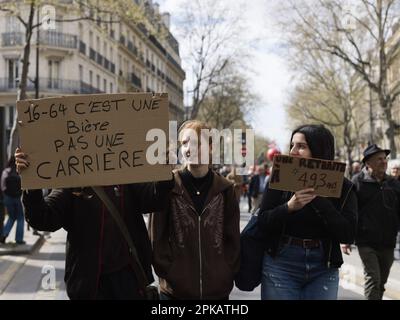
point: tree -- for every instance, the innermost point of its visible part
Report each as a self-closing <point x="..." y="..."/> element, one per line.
<point x="261" y="146"/>
<point x="105" y="11"/>
<point x="358" y="33"/>
<point x="228" y="103"/>
<point x="331" y="94"/>
<point x="211" y="31"/>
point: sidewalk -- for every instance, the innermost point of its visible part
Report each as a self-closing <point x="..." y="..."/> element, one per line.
<point x="352" y="273"/>
<point x="13" y="257"/>
<point x="11" y="248"/>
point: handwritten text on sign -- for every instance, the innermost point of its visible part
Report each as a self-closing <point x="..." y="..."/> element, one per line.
<point x="293" y="174"/>
<point x="86" y="140"/>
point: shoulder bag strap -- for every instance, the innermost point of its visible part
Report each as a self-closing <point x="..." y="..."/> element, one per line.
<point x="141" y="275"/>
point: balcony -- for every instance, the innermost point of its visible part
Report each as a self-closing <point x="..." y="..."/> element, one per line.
<point x="106" y="63"/>
<point x="82" y="47"/>
<point x="157" y="44"/>
<point x="160" y="74"/>
<point x="132" y="48"/>
<point x="136" y="80"/>
<point x="122" y="39"/>
<point x="87" y="88"/>
<point x="92" y="54"/>
<point x="112" y="69"/>
<point x="99" y="59"/>
<point x="10" y="39"/>
<point x="58" y="39"/>
<point x="176" y="64"/>
<point x="142" y="28"/>
<point x="50" y="85"/>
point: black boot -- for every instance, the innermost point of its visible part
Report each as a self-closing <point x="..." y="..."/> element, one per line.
<point x="2" y="239"/>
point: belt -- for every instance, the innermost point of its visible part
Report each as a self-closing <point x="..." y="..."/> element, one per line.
<point x="304" y="243"/>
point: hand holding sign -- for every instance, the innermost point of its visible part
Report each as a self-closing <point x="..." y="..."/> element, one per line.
<point x="300" y="199"/>
<point x="20" y="160"/>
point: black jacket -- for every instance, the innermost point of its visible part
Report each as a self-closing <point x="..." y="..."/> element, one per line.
<point x="254" y="186"/>
<point x="378" y="210"/>
<point x="339" y="217"/>
<point x="81" y="214"/>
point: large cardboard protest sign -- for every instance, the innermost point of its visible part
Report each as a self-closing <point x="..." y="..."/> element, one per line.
<point x="91" y="140"/>
<point x="294" y="173"/>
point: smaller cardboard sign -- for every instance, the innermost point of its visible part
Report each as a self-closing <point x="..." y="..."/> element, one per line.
<point x="294" y="174"/>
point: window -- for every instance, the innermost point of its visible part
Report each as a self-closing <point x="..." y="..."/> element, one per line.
<point x="98" y="81"/>
<point x="104" y="85"/>
<point x="80" y="73"/>
<point x="53" y="74"/>
<point x="80" y="27"/>
<point x="111" y="88"/>
<point x="111" y="54"/>
<point x="91" y="78"/>
<point x="12" y="24"/>
<point x="98" y="44"/>
<point x="126" y="65"/>
<point x="105" y="49"/>
<point x="91" y="39"/>
<point x="12" y="72"/>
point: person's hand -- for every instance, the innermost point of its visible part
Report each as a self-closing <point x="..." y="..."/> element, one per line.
<point x="300" y="199"/>
<point x="346" y="248"/>
<point x="20" y="160"/>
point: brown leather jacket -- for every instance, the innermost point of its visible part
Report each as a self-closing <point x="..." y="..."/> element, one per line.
<point x="196" y="257"/>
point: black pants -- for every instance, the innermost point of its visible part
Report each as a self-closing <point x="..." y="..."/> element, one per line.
<point x="120" y="285"/>
<point x="377" y="264"/>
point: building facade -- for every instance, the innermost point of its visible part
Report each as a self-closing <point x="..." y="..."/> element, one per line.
<point x="394" y="79"/>
<point x="84" y="57"/>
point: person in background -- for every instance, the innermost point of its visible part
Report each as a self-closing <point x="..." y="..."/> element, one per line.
<point x="378" y="211"/>
<point x="303" y="231"/>
<point x="395" y="169"/>
<point x="257" y="186"/>
<point x="237" y="181"/>
<point x="250" y="175"/>
<point x="395" y="172"/>
<point x="11" y="188"/>
<point x="355" y="168"/>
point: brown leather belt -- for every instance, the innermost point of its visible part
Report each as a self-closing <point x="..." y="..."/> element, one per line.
<point x="304" y="243"/>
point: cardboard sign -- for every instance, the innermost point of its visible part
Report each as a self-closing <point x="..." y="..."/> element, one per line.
<point x="294" y="173"/>
<point x="91" y="140"/>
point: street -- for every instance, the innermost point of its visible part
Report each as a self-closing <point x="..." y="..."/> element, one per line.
<point x="39" y="276"/>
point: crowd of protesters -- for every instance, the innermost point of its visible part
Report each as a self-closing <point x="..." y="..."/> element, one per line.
<point x="193" y="236"/>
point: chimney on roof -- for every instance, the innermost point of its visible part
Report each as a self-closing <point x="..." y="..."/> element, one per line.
<point x="166" y="19"/>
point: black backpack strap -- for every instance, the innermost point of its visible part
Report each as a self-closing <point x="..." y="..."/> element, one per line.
<point x="138" y="268"/>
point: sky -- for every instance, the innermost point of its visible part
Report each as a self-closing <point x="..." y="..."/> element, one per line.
<point x="271" y="79"/>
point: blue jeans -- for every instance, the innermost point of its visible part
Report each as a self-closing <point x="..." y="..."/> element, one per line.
<point x="15" y="212"/>
<point x="298" y="274"/>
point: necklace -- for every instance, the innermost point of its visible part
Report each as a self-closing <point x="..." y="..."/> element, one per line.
<point x="199" y="190"/>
